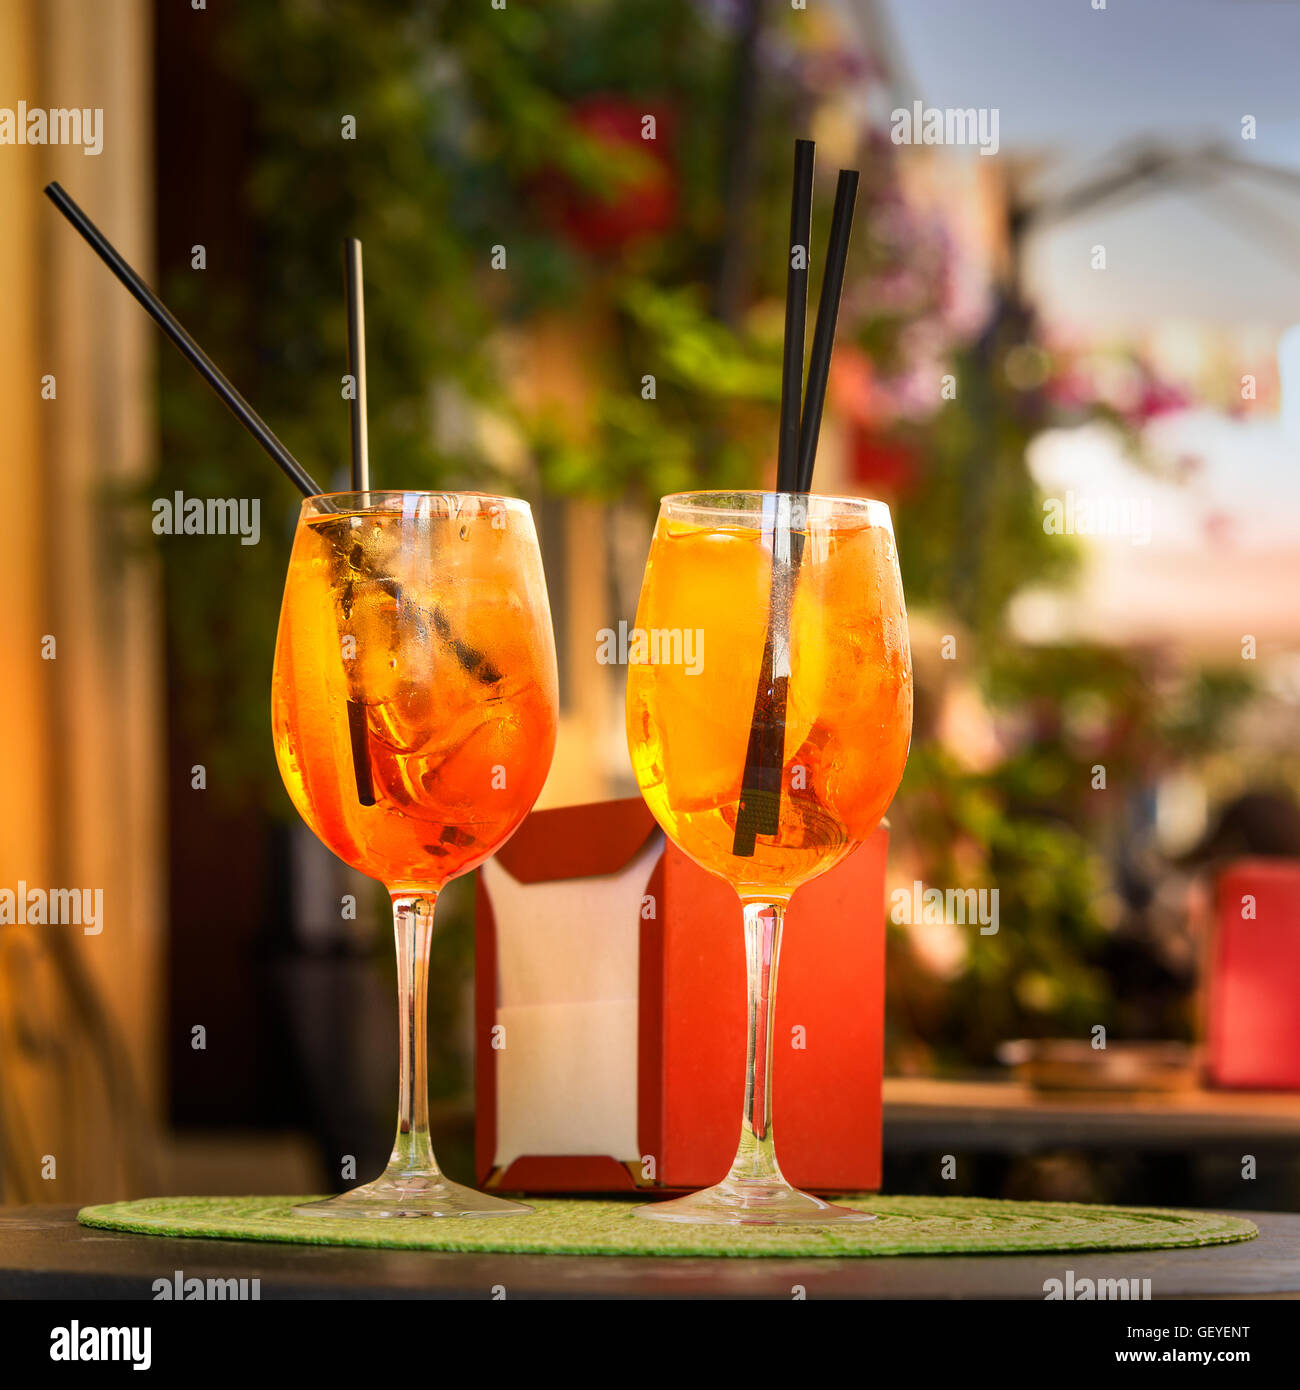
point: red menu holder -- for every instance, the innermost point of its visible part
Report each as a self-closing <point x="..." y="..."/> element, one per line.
<point x="1254" y="977"/>
<point x="610" y="1014"/>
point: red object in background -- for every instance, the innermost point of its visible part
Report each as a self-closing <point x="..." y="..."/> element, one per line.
<point x="692" y="1017"/>
<point x="883" y="463"/>
<point x="641" y="205"/>
<point x="1254" y="978"/>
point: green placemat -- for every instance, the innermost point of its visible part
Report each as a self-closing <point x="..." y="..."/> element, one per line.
<point x="907" y="1226"/>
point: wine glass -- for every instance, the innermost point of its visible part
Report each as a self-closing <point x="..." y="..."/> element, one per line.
<point x="414" y="714"/>
<point x="769" y="711"/>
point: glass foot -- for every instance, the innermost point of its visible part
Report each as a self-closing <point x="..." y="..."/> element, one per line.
<point x="751" y="1204"/>
<point x="412" y="1196"/>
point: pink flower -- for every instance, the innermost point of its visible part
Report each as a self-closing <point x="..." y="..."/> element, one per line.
<point x="1159" y="398"/>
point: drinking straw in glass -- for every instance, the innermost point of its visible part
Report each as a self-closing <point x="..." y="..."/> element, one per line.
<point x="797" y="598"/>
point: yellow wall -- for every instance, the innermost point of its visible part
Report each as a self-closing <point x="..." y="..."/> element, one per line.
<point x="79" y="756"/>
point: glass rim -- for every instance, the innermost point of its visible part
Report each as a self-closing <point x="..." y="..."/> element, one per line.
<point x="708" y="500"/>
<point x="370" y="505"/>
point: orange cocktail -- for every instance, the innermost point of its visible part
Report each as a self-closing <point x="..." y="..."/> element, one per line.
<point x="769" y="712"/>
<point x="436" y="629"/>
<point x="848" y="699"/>
<point x="414" y="713"/>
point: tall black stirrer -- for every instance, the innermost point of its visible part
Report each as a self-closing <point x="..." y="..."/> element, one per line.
<point x="796" y="314"/>
<point x="357" y="363"/>
<point x="358" y="725"/>
<point x="210" y="372"/>
<point x="760" y="805"/>
<point x="197" y="358"/>
<point x="828" y="311"/>
<point x="759" y="812"/>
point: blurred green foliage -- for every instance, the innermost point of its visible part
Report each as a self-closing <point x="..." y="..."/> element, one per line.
<point x="1040" y="829"/>
<point x="1037" y="974"/>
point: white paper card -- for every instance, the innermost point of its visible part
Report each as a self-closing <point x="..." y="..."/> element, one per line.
<point x="568" y="973"/>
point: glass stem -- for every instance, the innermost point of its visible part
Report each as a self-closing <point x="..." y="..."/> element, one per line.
<point x="755" y="1161"/>
<point x="412" y="928"/>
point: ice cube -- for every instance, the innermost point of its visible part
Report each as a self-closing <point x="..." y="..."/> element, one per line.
<point x="485" y="754"/>
<point x="376" y="659"/>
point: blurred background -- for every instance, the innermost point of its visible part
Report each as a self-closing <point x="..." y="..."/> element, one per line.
<point x="1062" y="360"/>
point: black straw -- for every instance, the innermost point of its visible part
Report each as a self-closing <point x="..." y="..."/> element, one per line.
<point x="358" y="720"/>
<point x="796" y="315"/>
<point x="170" y="325"/>
<point x="244" y="412"/>
<point x="828" y="309"/>
<point x="357" y="364"/>
<point x="759" y="810"/>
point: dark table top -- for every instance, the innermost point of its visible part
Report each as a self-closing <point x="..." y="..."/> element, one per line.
<point x="45" y="1254"/>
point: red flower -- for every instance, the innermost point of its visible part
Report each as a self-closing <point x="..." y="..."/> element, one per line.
<point x="641" y="204"/>
<point x="886" y="465"/>
<point x="1159" y="398"/>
